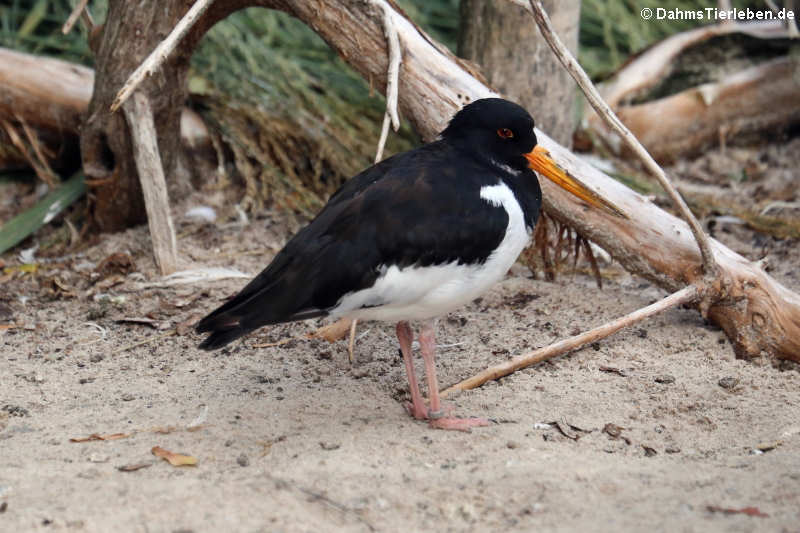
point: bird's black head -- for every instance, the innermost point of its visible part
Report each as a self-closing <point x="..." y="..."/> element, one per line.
<point x="493" y="129"/>
<point x="500" y="133"/>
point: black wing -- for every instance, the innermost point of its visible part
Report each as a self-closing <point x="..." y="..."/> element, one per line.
<point x="416" y="208"/>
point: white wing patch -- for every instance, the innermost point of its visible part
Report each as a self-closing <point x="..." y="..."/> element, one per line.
<point x="416" y="293"/>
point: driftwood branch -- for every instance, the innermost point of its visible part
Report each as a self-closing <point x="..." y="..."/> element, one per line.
<point x="608" y="116"/>
<point x="74" y="16"/>
<point x="758" y="314"/>
<point x="151" y="174"/>
<point x="762" y="97"/>
<point x="685" y="295"/>
<point x="44" y="91"/>
<point x="392" y="82"/>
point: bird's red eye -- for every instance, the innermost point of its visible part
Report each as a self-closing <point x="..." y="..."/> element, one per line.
<point x="505" y="133"/>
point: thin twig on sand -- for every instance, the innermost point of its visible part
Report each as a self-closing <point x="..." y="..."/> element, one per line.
<point x="613" y="122"/>
<point x="685" y="295"/>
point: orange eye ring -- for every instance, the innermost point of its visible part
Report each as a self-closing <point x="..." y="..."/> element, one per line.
<point x="505" y="133"/>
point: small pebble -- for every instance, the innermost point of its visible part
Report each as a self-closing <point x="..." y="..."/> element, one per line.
<point x="328" y="446"/>
<point x="96" y="358"/>
<point x="665" y="379"/>
<point x="511" y="445"/>
<point x="673" y="449"/>
<point x="242" y="460"/>
<point x="127" y="397"/>
<point x="15" y="410"/>
<point x="359" y="372"/>
<point x="728" y="382"/>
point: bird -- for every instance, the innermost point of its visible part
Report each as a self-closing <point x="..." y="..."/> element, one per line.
<point x="411" y="238"/>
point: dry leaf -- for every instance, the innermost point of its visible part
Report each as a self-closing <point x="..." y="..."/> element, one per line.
<point x="768" y="446"/>
<point x="332" y="332"/>
<point x="110" y="281"/>
<point x="134" y="467"/>
<point x="157" y="324"/>
<point x="164" y="430"/>
<point x="175" y="459"/>
<point x="186" y="326"/>
<point x="95" y="436"/>
<point x="749" y="511"/>
<point x="612" y="370"/>
<point x="117" y="263"/>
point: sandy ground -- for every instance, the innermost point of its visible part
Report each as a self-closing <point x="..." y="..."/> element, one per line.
<point x="664" y="428"/>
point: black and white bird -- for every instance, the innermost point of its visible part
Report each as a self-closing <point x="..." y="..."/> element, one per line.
<point x="411" y="238"/>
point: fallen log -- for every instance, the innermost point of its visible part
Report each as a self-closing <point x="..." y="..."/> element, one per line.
<point x="52" y="96"/>
<point x="651" y="97"/>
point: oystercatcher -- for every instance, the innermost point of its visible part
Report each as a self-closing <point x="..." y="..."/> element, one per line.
<point x="411" y="238"/>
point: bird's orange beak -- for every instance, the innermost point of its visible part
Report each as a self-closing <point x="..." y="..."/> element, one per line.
<point x="540" y="161"/>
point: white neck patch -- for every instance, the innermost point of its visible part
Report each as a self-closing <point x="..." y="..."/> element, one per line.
<point x="504" y="167"/>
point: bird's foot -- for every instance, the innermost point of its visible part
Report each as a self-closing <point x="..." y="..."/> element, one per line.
<point x="442" y="420"/>
<point x="420" y="412"/>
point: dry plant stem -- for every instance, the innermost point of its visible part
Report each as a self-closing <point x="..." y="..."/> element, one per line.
<point x="392" y="78"/>
<point x="42" y="171"/>
<point x="161" y="53"/>
<point x="603" y="110"/>
<point x="38" y="150"/>
<point x="73" y="17"/>
<point x="383" y="137"/>
<point x="351" y="345"/>
<point x="685" y="295"/>
<point x="154" y="186"/>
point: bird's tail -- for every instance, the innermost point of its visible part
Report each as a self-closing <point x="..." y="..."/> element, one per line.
<point x="224" y="329"/>
<point x="267" y="299"/>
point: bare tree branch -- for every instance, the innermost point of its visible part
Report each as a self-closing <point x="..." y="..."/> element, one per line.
<point x="154" y="186"/>
<point x="74" y="16"/>
<point x="588" y="88"/>
<point x="392" y="83"/>
<point x="161" y="53"/>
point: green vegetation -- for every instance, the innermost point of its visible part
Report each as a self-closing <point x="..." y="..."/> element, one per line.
<point x="295" y="118"/>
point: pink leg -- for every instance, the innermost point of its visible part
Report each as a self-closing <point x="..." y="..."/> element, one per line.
<point x="417" y="408"/>
<point x="438" y="418"/>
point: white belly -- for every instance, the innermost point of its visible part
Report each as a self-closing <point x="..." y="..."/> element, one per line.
<point x="416" y="293"/>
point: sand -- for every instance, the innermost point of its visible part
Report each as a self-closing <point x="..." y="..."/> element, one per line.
<point x="663" y="428"/>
